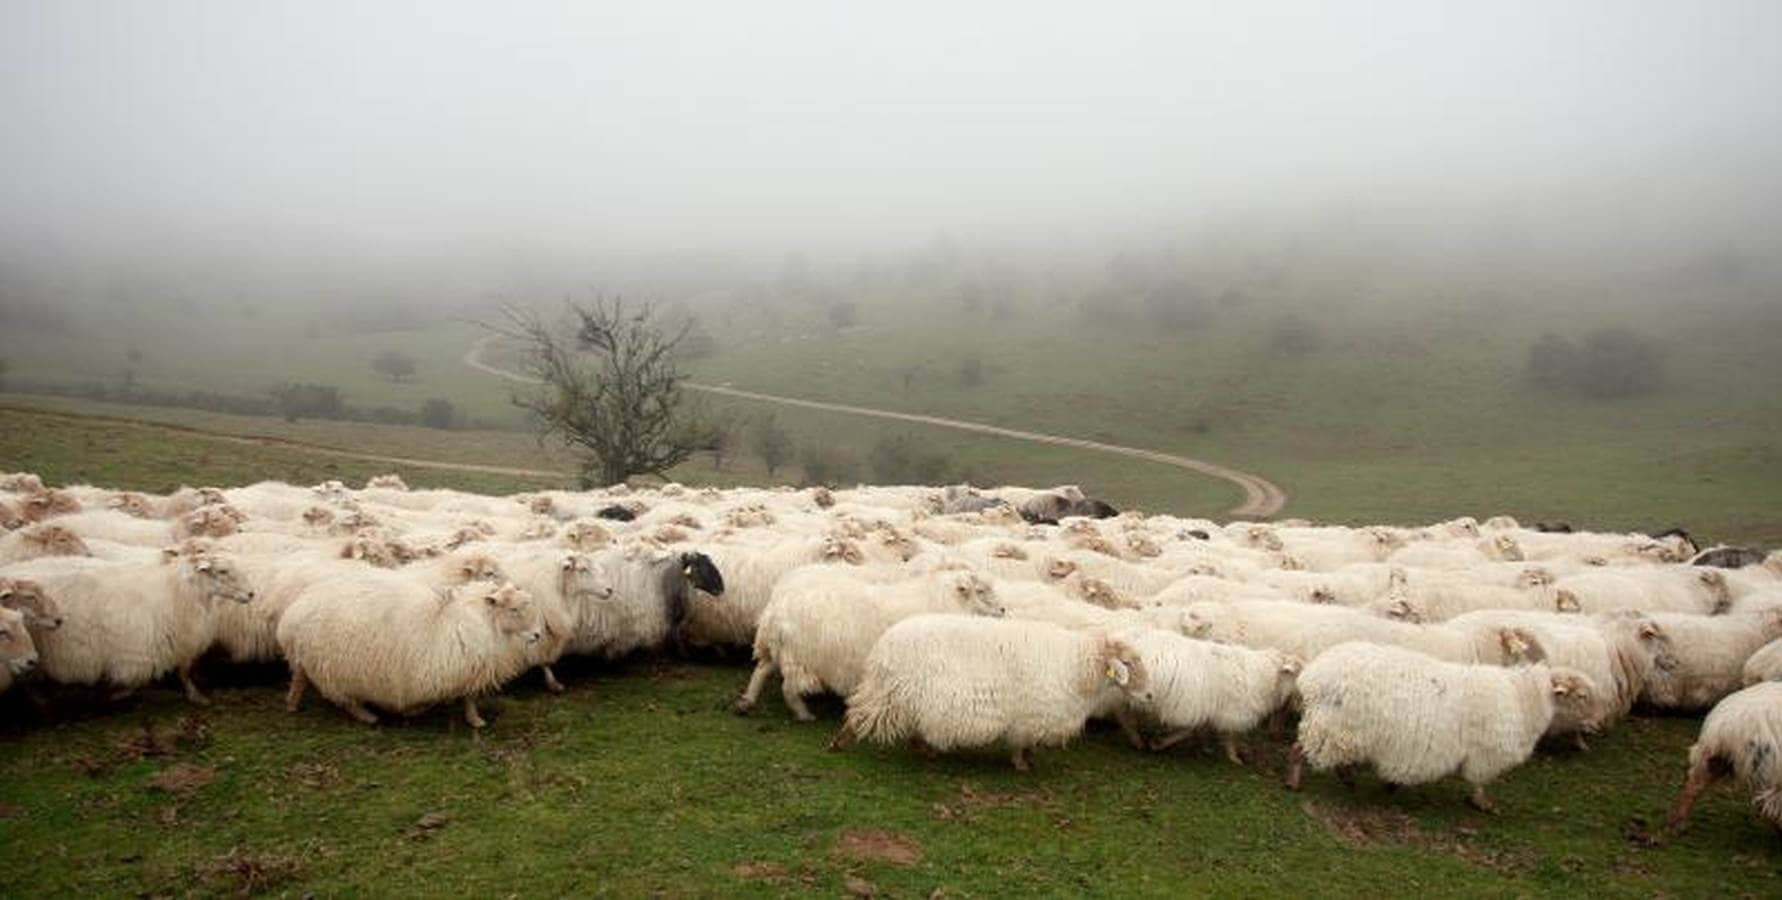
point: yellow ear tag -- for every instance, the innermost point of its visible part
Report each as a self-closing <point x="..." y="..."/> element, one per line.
<point x="1112" y="675"/>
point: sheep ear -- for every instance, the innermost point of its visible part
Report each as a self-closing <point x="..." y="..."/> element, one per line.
<point x="169" y="553"/>
<point x="1560" y="689"/>
<point x="1566" y="601"/>
<point x="568" y="563"/>
<point x="492" y="599"/>
<point x="1291" y="665"/>
<point x="203" y="565"/>
<point x="1648" y="630"/>
<point x="1118" y="672"/>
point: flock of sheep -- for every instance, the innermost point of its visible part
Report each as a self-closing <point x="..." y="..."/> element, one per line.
<point x="949" y="619"/>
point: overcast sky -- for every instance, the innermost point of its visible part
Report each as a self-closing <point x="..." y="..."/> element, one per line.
<point x="767" y="126"/>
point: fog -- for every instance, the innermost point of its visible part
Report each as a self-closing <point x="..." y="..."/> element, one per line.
<point x="504" y="137"/>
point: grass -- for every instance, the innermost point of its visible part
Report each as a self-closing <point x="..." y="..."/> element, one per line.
<point x="640" y="781"/>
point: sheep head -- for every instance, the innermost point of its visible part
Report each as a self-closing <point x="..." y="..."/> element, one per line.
<point x="54" y="540"/>
<point x="1534" y="578"/>
<point x="1567" y="602"/>
<point x="1577" y="703"/>
<point x="1102" y="594"/>
<point x="1007" y="550"/>
<point x="11" y="517"/>
<point x="582" y="576"/>
<point x="1142" y="546"/>
<point x="318" y="517"/>
<point x="20" y="483"/>
<point x="16" y="646"/>
<point x="476" y="567"/>
<point x="210" y="521"/>
<point x="388" y="482"/>
<point x="1402" y="609"/>
<point x="1059" y="569"/>
<point x="702" y="573"/>
<point x="974" y="594"/>
<point x="1124" y="668"/>
<point x="218" y="576"/>
<point x="821" y="496"/>
<point x="1505" y="547"/>
<point x="48" y="504"/>
<point x="1714" y="581"/>
<point x="841" y="550"/>
<point x="586" y="536"/>
<point x="27" y="597"/>
<point x="510" y="610"/>
<point x="132" y="503"/>
<point x="1520" y="646"/>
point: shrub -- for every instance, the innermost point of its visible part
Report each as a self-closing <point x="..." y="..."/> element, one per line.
<point x="1611" y="363"/>
<point x="439" y="412"/>
<point x="1295" y="335"/>
<point x="827" y="465"/>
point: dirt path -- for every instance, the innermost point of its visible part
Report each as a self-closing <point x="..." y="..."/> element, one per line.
<point x="1262" y="498"/>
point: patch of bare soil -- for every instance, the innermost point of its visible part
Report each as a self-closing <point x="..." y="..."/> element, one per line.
<point x="885" y="846"/>
<point x="248" y="874"/>
<point x="971" y="800"/>
<point x="1365" y="827"/>
<point x="183" y="779"/>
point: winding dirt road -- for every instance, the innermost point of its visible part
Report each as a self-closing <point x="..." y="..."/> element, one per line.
<point x="1262" y="498"/>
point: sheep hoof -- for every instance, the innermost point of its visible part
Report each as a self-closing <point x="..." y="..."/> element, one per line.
<point x="197" y="699"/>
<point x="743" y="706"/>
<point x="471" y="717"/>
<point x="1481" y="802"/>
<point x="358" y="711"/>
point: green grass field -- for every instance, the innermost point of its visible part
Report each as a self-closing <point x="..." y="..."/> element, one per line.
<point x="640" y="781"/>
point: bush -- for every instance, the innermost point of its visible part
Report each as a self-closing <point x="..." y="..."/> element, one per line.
<point x="844" y="314"/>
<point x="971" y="371"/>
<point x="439" y="412"/>
<point x="308" y="401"/>
<point x="771" y="443"/>
<point x="398" y="367"/>
<point x="1176" y="305"/>
<point x="1611" y="363"/>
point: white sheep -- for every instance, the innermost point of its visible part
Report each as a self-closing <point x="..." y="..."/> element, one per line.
<point x="568" y="588"/>
<point x="18" y="655"/>
<point x="1617" y="653"/>
<point x="125" y="625"/>
<point x="1765" y="664"/>
<point x="750" y="572"/>
<point x="1710" y="654"/>
<point x="652" y="595"/>
<point x="1691" y="589"/>
<point x="956" y="682"/>
<point x="1196" y="684"/>
<point x="389" y="641"/>
<point x="1308" y="631"/>
<point x="1742" y="736"/>
<point x="1418" y="719"/>
<point x="822" y="621"/>
<point x="48" y="539"/>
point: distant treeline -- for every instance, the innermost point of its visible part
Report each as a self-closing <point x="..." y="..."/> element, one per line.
<point x="292" y="402"/>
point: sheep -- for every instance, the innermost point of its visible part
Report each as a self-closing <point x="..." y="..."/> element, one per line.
<point x="18" y="655"/>
<point x="1765" y="664"/>
<point x="389" y="641"/>
<point x="219" y="520"/>
<point x="1725" y="557"/>
<point x="821" y="623"/>
<point x="1742" y="736"/>
<point x="125" y="625"/>
<point x="1418" y="719"/>
<point x="388" y="482"/>
<point x="1710" y="654"/>
<point x="1617" y="653"/>
<point x="750" y="573"/>
<point x="47" y="504"/>
<point x="953" y="682"/>
<point x="1689" y="590"/>
<point x="1310" y="631"/>
<point x="122" y="528"/>
<point x="568" y="588"/>
<point x="11" y="516"/>
<point x="1498" y="547"/>
<point x="1199" y="683"/>
<point x="26" y="597"/>
<point x="653" y="593"/>
<point x="41" y="540"/>
<point x="20" y="483"/>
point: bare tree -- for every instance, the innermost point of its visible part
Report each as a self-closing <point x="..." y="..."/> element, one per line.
<point x="396" y="366"/>
<point x="610" y="388"/>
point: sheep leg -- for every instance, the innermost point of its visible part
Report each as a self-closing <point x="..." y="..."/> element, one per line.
<point x="551" y="682"/>
<point x="122" y="692"/>
<point x="470" y="715"/>
<point x="1171" y="739"/>
<point x="752" y="693"/>
<point x="299" y="684"/>
<point x="358" y="711"/>
<point x="1480" y="801"/>
<point x="1701" y="776"/>
<point x="192" y="692"/>
<point x="1578" y="740"/>
<point x="922" y="748"/>
<point x="844" y="737"/>
<point x="1277" y="723"/>
<point x="795" y="702"/>
<point x="1231" y="749"/>
<point x="1296" y="762"/>
<point x="1130" y="725"/>
<point x="1023" y="759"/>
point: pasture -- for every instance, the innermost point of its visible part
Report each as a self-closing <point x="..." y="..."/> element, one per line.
<point x="640" y="780"/>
